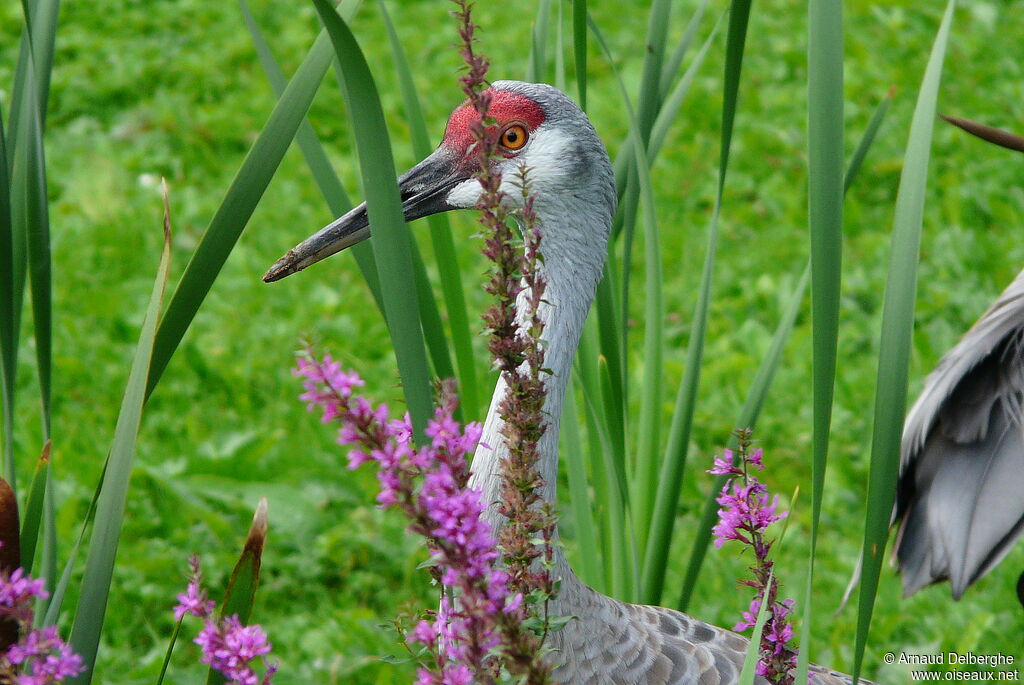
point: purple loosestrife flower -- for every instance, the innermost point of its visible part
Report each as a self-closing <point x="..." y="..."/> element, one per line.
<point x="228" y="646"/>
<point x="39" y="657"/>
<point x="745" y="514"/>
<point x="468" y="638"/>
<point x="194" y="600"/>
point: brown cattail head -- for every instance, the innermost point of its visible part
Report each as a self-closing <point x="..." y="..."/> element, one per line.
<point x="10" y="540"/>
<point x="10" y="552"/>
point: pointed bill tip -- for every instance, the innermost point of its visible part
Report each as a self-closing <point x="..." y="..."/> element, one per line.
<point x="340" y="234"/>
<point x="285" y="266"/>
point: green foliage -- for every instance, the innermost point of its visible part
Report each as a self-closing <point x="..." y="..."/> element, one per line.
<point x="143" y="90"/>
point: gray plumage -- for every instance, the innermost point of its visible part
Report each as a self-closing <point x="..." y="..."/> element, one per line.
<point x="610" y="641"/>
<point x="961" y="481"/>
<point x="573" y="188"/>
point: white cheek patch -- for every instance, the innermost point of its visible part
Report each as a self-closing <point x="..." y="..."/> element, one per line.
<point x="465" y="195"/>
<point x="547" y="157"/>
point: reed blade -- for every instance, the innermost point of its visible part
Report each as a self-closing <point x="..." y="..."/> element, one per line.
<point x="319" y="165"/>
<point x="441" y="238"/>
<point x="391" y="241"/>
<point x="665" y="490"/>
<point x="896" y="337"/>
<point x="240" y="201"/>
<point x="759" y="388"/>
<point x="110" y="505"/>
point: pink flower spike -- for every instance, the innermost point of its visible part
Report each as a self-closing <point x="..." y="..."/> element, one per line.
<point x="724" y="465"/>
<point x="194" y="600"/>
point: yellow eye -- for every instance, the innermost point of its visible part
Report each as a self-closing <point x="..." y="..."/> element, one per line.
<point x="514" y="137"/>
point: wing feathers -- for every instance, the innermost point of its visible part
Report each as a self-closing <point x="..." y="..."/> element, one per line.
<point x="962" y="467"/>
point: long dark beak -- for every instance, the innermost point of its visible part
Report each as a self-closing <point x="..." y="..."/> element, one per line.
<point x="424" y="191"/>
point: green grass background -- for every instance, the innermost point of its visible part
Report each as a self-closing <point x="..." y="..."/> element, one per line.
<point x="150" y="88"/>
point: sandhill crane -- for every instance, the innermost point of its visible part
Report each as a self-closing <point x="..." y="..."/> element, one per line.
<point x="962" y="464"/>
<point x="572" y="181"/>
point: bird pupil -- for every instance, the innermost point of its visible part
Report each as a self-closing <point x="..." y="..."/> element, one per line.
<point x="512" y="136"/>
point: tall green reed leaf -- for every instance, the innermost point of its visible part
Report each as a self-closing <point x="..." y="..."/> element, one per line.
<point x="441" y="238"/>
<point x="316" y="159"/>
<point x="674" y="98"/>
<point x="240" y="201"/>
<point x="897" y="330"/>
<point x="825" y="221"/>
<point x="31" y="526"/>
<point x="608" y="470"/>
<point x="867" y="139"/>
<point x="537" y="67"/>
<point x="579" y="46"/>
<point x="749" y="670"/>
<point x="29" y="220"/>
<point x="36" y="49"/>
<point x="583" y="514"/>
<point x="8" y="322"/>
<point x="650" y="407"/>
<point x="649" y="420"/>
<point x="649" y="98"/>
<point x="339" y="203"/>
<point x="54" y="605"/>
<point x="759" y="388"/>
<point x="110" y="505"/>
<point x="391" y="241"/>
<point x="672" y="65"/>
<point x="29" y="206"/>
<point x="560" y="79"/>
<point x="668" y="485"/>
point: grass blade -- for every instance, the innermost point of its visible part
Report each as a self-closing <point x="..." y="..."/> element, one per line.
<point x="674" y="99"/>
<point x="759" y="388"/>
<point x="36" y="52"/>
<point x="897" y="329"/>
<point x="8" y="322"/>
<point x="239" y="203"/>
<point x="319" y="165"/>
<point x="649" y="99"/>
<point x="99" y="567"/>
<point x="853" y="168"/>
<point x="579" y="46"/>
<point x="30" y="194"/>
<point x="825" y="221"/>
<point x="537" y="67"/>
<point x="31" y="527"/>
<point x="583" y="512"/>
<point x="441" y="239"/>
<point x="671" y="66"/>
<point x="666" y="489"/>
<point x="753" y="655"/>
<point x="560" y="50"/>
<point x="245" y="578"/>
<point x="430" y="320"/>
<point x="391" y="238"/>
<point x="641" y="499"/>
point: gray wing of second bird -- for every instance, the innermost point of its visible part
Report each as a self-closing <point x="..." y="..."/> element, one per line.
<point x="962" y="464"/>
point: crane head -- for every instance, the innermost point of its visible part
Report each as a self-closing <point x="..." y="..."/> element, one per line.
<point x="538" y="127"/>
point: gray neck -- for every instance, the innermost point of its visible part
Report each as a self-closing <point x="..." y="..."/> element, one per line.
<point x="572" y="267"/>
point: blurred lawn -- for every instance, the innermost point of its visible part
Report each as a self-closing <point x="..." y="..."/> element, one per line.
<point x="143" y="89"/>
